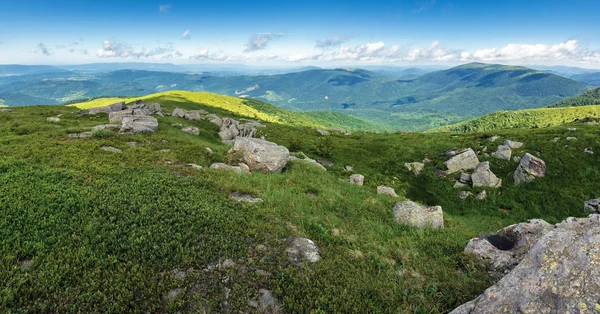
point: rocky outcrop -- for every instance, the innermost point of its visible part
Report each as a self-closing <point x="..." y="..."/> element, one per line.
<point x="179" y="113"/>
<point x="106" y="127"/>
<point x="464" y="160"/>
<point x="117" y="116"/>
<point x="240" y="168"/>
<point x="191" y="130"/>
<point x="262" y="155"/>
<point x="411" y="213"/>
<point x="357" y="179"/>
<point x="558" y="274"/>
<point x="513" y="144"/>
<point x="502" y="152"/>
<point x="484" y="177"/>
<point x="415" y="167"/>
<point x="138" y="124"/>
<point x="386" y="190"/>
<point x="592" y="206"/>
<point x="107" y="109"/>
<point x="301" y="250"/>
<point x="530" y="167"/>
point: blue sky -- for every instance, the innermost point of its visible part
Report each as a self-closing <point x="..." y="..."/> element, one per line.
<point x="301" y="32"/>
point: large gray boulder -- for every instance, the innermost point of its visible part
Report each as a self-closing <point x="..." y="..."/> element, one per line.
<point x="229" y="130"/>
<point x="262" y="155"/>
<point x="110" y="108"/>
<point x="117" y="116"/>
<point x="559" y="274"/>
<point x="241" y="168"/>
<point x="505" y="248"/>
<point x="464" y="160"/>
<point x="530" y="167"/>
<point x="502" y="152"/>
<point x="415" y="167"/>
<point x="138" y="124"/>
<point x="386" y="190"/>
<point x="179" y="113"/>
<point x="484" y="177"/>
<point x="411" y="213"/>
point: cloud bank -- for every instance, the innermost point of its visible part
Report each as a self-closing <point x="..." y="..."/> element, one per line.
<point x="260" y="41"/>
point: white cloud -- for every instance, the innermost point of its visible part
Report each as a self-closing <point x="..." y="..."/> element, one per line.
<point x="164" y="8"/>
<point x="260" y="41"/>
<point x="41" y="48"/>
<point x="525" y="52"/>
<point x="112" y="48"/>
<point x="331" y="41"/>
<point x="186" y="35"/>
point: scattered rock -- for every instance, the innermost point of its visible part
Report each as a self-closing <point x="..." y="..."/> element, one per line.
<point x="415" y="167"/>
<point x="228" y="263"/>
<point x="139" y="124"/>
<point x="529" y="168"/>
<point x="555" y="139"/>
<point x="465" y="178"/>
<point x="6" y="110"/>
<point x="111" y="149"/>
<point x="194" y="166"/>
<point x="592" y="206"/>
<point x="559" y="274"/>
<point x="413" y="214"/>
<point x="458" y="185"/>
<point x="166" y="150"/>
<point x="222" y="166"/>
<point x="588" y="151"/>
<point x="386" y="190"/>
<point x="302" y="250"/>
<point x="571" y="138"/>
<point x="502" y="152"/>
<point x="357" y="179"/>
<point x="572" y="129"/>
<point x="465" y="160"/>
<point x="215" y="119"/>
<point x="262" y="155"/>
<point x="483" y="176"/>
<point x="174" y="294"/>
<point x="53" y="119"/>
<point x="191" y="130"/>
<point x="210" y="151"/>
<point x="326" y="163"/>
<point x="493" y="138"/>
<point x="482" y="195"/>
<point x="179" y="113"/>
<point x="118" y="116"/>
<point x="349" y="168"/>
<point x="106" y="127"/>
<point x="592" y="123"/>
<point x="513" y="144"/>
<point x="80" y="135"/>
<point x="107" y="109"/>
<point x="463" y="195"/>
<point x="450" y="153"/>
<point x="323" y="132"/>
<point x="134" y="144"/>
<point x="266" y="301"/>
<point x="192" y="115"/>
<point x="244" y="198"/>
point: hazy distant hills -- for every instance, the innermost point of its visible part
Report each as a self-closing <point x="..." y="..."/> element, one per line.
<point x="407" y="98"/>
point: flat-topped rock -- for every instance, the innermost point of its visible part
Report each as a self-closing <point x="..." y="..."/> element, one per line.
<point x="262" y="155"/>
<point x="110" y="108"/>
<point x="464" y="160"/>
<point x="139" y="124"/>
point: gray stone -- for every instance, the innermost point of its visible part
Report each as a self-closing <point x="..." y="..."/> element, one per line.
<point x="177" y="125"/>
<point x="111" y="149"/>
<point x="570" y="138"/>
<point x="458" y="185"/>
<point x="513" y="144"/>
<point x="415" y="167"/>
<point x="190" y="115"/>
<point x="326" y="163"/>
<point x="80" y="135"/>
<point x="572" y="129"/>
<point x="413" y="214"/>
<point x="139" y="124"/>
<point x="493" y="138"/>
<point x="502" y="152"/>
<point x="239" y="197"/>
<point x="555" y="139"/>
<point x="191" y="130"/>
<point x="5" y="110"/>
<point x="386" y="190"/>
<point x="302" y="250"/>
<point x="106" y="127"/>
<point x="588" y="150"/>
<point x="530" y="167"/>
<point x="504" y="249"/>
<point x="558" y="274"/>
<point x="228" y="263"/>
<point x="173" y="294"/>
<point x="349" y="168"/>
<point x="516" y="159"/>
<point x="53" y="119"/>
<point x="179" y="113"/>
<point x="117" y="116"/>
<point x="222" y="166"/>
<point x="592" y="206"/>
<point x="166" y="150"/>
<point x="197" y="167"/>
<point x="266" y="301"/>
<point x="484" y="177"/>
<point x="262" y="155"/>
<point x="357" y="179"/>
<point x="215" y="119"/>
<point x="110" y="108"/>
<point x="209" y="150"/>
<point x="463" y="195"/>
<point x="323" y="132"/>
<point x="465" y="160"/>
<point x="482" y="195"/>
<point x="134" y="144"/>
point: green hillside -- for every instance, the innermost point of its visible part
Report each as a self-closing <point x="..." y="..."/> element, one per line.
<point x="591" y="97"/>
<point x="533" y="118"/>
<point x="243" y="107"/>
<point x="86" y="230"/>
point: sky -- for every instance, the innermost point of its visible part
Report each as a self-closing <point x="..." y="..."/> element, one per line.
<point x="301" y="33"/>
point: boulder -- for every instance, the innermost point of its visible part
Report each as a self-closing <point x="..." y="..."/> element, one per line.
<point x="483" y="176"/>
<point x="413" y="214"/>
<point x="357" y="179"/>
<point x="179" y="113"/>
<point x="107" y="109"/>
<point x="302" y="250"/>
<point x="117" y="116"/>
<point x="588" y="151"/>
<point x="238" y="169"/>
<point x="53" y="119"/>
<point x="458" y="185"/>
<point x="465" y="178"/>
<point x="513" y="144"/>
<point x="348" y="168"/>
<point x="191" y="130"/>
<point x="559" y="273"/>
<point x="80" y="135"/>
<point x="138" y="124"/>
<point x="464" y="160"/>
<point x="247" y="129"/>
<point x="191" y="115"/>
<point x="571" y="138"/>
<point x="571" y="129"/>
<point x="502" y="152"/>
<point x="309" y="161"/>
<point x="592" y="206"/>
<point x="215" y="119"/>
<point x="530" y="167"/>
<point x="493" y="138"/>
<point x="262" y="155"/>
<point x="504" y="249"/>
<point x="323" y="132"/>
<point x="106" y="127"/>
<point x="482" y="195"/>
<point x="110" y="149"/>
<point x="463" y="195"/>
<point x="386" y="190"/>
<point x="239" y="197"/>
<point x="415" y="167"/>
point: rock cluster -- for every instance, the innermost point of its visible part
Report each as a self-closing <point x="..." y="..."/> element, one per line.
<point x="133" y="119"/>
